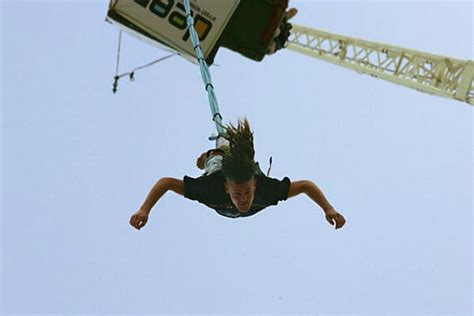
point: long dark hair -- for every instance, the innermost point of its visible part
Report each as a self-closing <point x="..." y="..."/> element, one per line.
<point x="238" y="163"/>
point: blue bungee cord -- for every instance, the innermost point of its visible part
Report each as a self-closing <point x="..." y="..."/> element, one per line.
<point x="206" y="77"/>
<point x="205" y="74"/>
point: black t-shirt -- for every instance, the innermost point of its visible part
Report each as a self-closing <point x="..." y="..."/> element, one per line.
<point x="209" y="190"/>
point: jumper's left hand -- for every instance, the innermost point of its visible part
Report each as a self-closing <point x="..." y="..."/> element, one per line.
<point x="334" y="218"/>
<point x="139" y="219"/>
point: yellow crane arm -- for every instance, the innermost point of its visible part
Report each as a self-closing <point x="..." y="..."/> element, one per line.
<point x="434" y="74"/>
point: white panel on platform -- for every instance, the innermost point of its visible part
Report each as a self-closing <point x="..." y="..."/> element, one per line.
<point x="166" y="21"/>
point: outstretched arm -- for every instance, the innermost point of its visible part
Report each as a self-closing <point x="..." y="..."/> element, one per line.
<point x="315" y="194"/>
<point x="140" y="218"/>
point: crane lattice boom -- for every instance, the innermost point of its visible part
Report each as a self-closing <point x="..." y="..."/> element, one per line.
<point x="434" y="74"/>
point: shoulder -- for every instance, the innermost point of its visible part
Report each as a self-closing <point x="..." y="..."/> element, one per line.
<point x="217" y="177"/>
<point x="203" y="186"/>
<point x="268" y="181"/>
<point x="273" y="189"/>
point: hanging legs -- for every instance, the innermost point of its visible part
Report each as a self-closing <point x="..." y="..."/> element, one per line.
<point x="211" y="160"/>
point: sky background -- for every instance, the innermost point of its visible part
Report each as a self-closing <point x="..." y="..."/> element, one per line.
<point x="78" y="161"/>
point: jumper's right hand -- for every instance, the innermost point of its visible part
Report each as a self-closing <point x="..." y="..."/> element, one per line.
<point x="139" y="219"/>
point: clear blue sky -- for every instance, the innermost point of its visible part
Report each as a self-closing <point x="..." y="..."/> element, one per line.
<point x="77" y="161"/>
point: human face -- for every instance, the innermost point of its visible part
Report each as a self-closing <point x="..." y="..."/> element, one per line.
<point x="241" y="194"/>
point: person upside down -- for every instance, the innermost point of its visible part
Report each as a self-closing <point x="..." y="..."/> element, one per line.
<point x="233" y="184"/>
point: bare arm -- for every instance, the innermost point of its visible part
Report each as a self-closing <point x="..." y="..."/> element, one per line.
<point x="140" y="218"/>
<point x="159" y="189"/>
<point x="315" y="194"/>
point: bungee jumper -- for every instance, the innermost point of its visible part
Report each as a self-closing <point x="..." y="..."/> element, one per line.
<point x="233" y="184"/>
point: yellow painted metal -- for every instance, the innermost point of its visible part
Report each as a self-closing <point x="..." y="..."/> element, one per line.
<point x="425" y="72"/>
